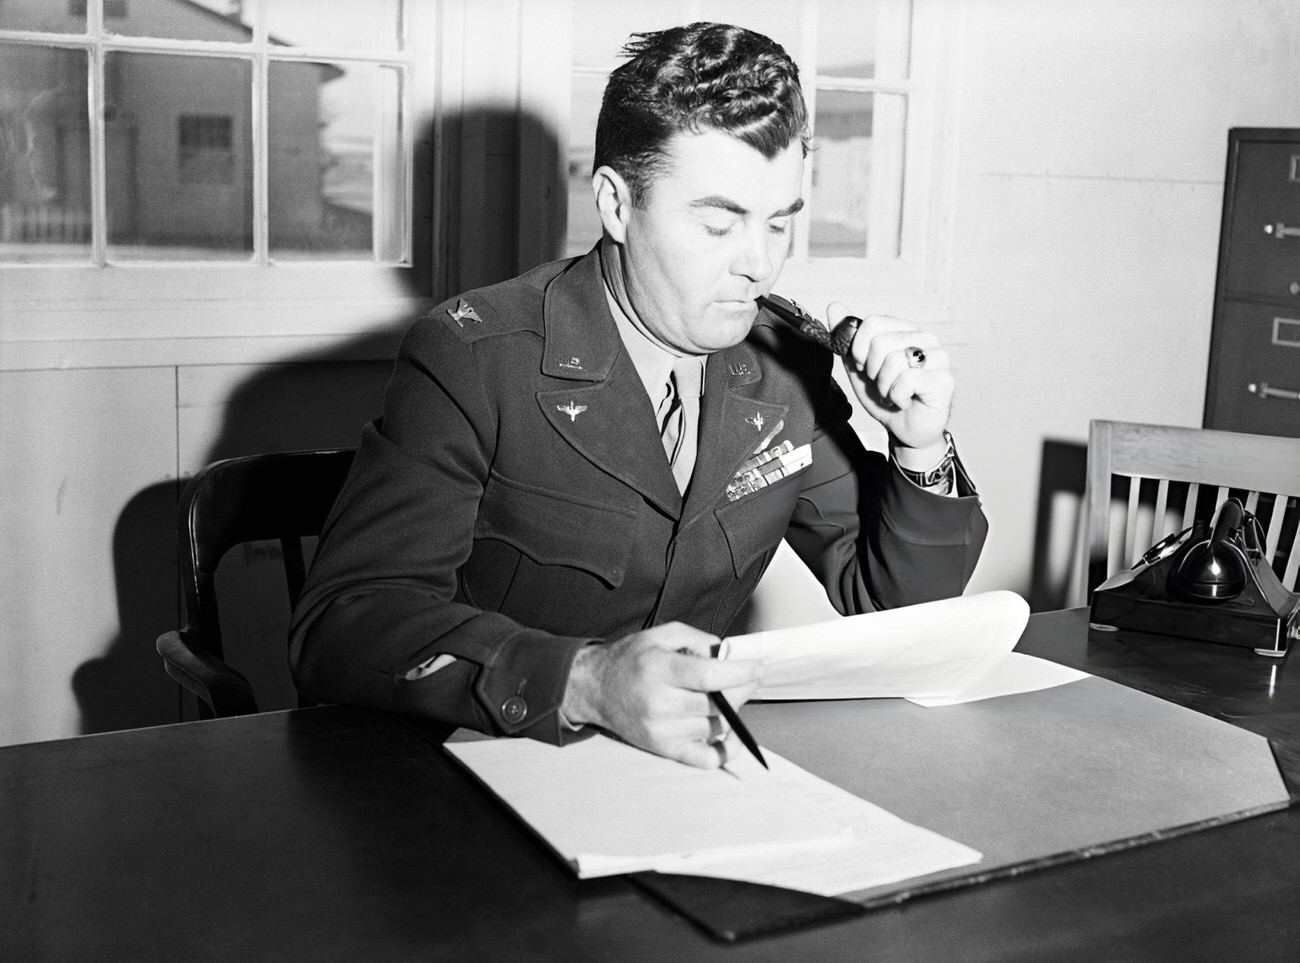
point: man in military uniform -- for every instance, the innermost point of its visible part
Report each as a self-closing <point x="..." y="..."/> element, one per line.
<point x="581" y="473"/>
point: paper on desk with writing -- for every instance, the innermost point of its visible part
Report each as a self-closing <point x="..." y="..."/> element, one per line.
<point x="931" y="650"/>
<point x="608" y="808"/>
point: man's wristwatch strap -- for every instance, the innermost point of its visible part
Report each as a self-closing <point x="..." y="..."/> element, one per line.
<point x="940" y="478"/>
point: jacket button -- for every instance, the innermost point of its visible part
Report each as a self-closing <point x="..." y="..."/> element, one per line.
<point x="514" y="710"/>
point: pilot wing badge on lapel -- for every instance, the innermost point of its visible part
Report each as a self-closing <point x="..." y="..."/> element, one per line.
<point x="571" y="410"/>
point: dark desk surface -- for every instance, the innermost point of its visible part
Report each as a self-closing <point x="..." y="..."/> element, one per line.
<point x="339" y="834"/>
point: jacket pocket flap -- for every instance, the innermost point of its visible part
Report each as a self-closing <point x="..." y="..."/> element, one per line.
<point x="557" y="528"/>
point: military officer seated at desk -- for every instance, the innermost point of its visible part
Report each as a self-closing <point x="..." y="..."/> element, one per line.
<point x="581" y="473"/>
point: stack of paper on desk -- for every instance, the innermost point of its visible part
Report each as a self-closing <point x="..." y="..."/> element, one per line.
<point x="934" y="653"/>
<point x="606" y="808"/>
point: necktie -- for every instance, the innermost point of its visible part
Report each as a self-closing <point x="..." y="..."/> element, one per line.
<point x="680" y="419"/>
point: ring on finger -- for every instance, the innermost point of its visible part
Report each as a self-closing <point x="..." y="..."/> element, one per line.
<point x="915" y="356"/>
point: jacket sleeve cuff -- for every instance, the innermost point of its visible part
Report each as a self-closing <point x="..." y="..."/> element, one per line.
<point x="926" y="517"/>
<point x="522" y="687"/>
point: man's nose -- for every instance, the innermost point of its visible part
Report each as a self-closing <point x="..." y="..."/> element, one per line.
<point x="754" y="259"/>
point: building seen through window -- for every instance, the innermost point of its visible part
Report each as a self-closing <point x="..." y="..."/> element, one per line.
<point x="206" y="149"/>
<point x="211" y="135"/>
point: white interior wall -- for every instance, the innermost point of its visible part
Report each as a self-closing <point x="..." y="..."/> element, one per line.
<point x="85" y="462"/>
<point x="1093" y="142"/>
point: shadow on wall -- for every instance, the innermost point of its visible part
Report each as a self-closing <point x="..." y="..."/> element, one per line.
<point x="118" y="690"/>
<point x="318" y="400"/>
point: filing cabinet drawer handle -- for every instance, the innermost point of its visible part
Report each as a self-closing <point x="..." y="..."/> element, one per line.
<point x="1265" y="390"/>
<point x="1280" y="230"/>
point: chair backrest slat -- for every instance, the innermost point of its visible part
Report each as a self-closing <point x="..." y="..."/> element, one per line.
<point x="1273" y="531"/>
<point x="1291" y="574"/>
<point x="1131" y="518"/>
<point x="1189" y="507"/>
<point x="1158" y="521"/>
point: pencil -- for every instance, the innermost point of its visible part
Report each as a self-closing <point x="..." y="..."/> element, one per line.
<point x="738" y="727"/>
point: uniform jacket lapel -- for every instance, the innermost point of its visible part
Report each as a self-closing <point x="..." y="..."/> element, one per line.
<point x="604" y="412"/>
<point x="734" y="421"/>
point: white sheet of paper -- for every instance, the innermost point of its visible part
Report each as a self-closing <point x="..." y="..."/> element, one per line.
<point x="608" y="808"/>
<point x="1015" y="673"/>
<point x="882" y="849"/>
<point x="930" y="650"/>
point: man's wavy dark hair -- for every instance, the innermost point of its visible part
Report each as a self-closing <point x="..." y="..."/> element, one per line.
<point x="704" y="76"/>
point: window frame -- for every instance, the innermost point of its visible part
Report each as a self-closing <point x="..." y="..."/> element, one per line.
<point x="916" y="283"/>
<point x="100" y="313"/>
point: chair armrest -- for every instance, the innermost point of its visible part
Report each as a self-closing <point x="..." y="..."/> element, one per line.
<point x="224" y="689"/>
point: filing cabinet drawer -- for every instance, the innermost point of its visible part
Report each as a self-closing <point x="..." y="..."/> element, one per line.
<point x="1254" y="375"/>
<point x="1256" y="385"/>
<point x="1263" y="250"/>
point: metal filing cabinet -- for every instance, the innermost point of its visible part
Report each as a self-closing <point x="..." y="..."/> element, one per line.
<point x="1254" y="376"/>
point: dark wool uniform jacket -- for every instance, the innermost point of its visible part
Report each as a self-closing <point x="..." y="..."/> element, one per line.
<point x="514" y="503"/>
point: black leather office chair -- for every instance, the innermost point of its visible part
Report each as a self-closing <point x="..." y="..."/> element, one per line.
<point x="284" y="496"/>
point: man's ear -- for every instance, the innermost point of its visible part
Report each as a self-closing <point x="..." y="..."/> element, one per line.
<point x="613" y="202"/>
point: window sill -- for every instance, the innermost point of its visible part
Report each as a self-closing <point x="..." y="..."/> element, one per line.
<point x="378" y="344"/>
<point x="145" y="317"/>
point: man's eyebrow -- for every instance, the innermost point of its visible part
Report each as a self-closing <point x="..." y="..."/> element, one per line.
<point x="727" y="204"/>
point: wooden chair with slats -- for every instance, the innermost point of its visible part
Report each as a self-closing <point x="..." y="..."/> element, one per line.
<point x="283" y="496"/>
<point x="1148" y="481"/>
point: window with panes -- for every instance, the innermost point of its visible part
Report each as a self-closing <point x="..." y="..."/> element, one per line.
<point x="188" y="131"/>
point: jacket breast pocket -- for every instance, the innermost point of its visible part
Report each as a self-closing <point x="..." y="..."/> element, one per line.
<point x="538" y="551"/>
<point x="753" y="525"/>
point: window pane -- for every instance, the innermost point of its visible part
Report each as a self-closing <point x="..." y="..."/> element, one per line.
<point x="857" y="174"/>
<point x="192" y="20"/>
<point x="863" y="38"/>
<point x="54" y="16"/>
<point x="335" y="149"/>
<point x="44" y="155"/>
<point x="346" y="24"/>
<point x="178" y="157"/>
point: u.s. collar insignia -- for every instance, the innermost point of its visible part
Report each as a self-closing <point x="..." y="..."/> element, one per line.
<point x="462" y="311"/>
<point x="738" y="368"/>
<point x="571" y="410"/>
<point x="573" y="363"/>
